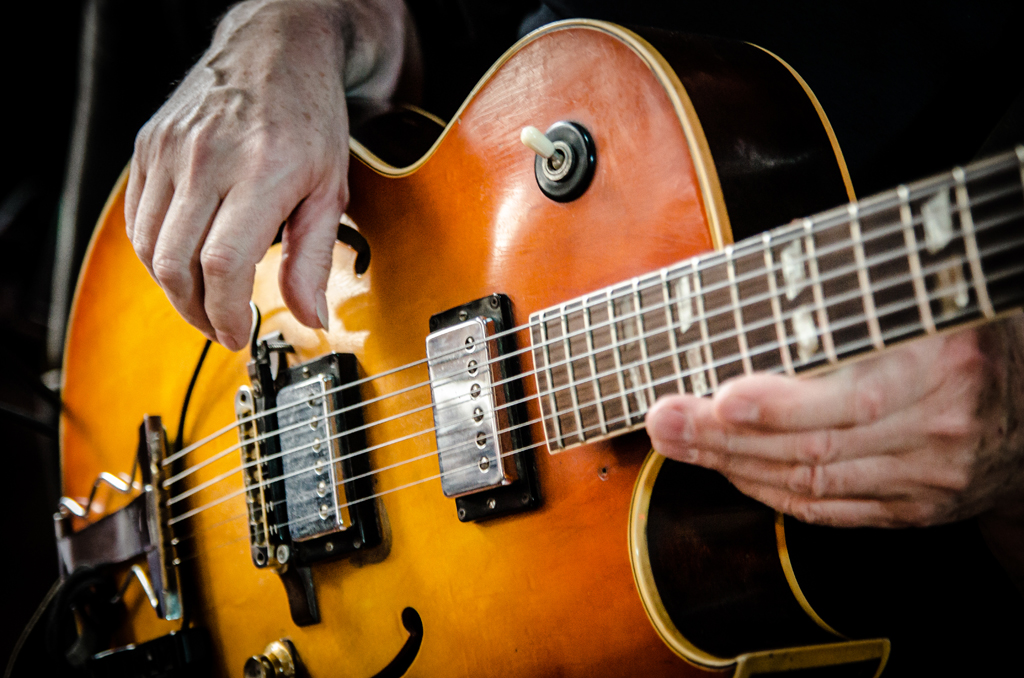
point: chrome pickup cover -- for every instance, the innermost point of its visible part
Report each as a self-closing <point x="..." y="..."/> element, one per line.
<point x="310" y="456"/>
<point x="467" y="417"/>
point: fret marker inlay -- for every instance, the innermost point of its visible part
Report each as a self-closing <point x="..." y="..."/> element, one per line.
<point x="806" y="333"/>
<point x="938" y="222"/>
<point x="793" y="269"/>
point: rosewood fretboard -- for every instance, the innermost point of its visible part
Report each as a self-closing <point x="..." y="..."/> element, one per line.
<point x="941" y="252"/>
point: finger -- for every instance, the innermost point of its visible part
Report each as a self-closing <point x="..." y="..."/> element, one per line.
<point x="679" y="424"/>
<point x="156" y="197"/>
<point x="861" y="393"/>
<point x="308" y="245"/>
<point x="241" y="232"/>
<point x="881" y="477"/>
<point x="176" y="255"/>
<point x="132" y="194"/>
<point x="844" y="512"/>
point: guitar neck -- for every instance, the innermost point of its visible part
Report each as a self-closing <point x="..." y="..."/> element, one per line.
<point x="938" y="253"/>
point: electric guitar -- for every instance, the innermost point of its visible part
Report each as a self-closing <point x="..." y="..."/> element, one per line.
<point x="453" y="479"/>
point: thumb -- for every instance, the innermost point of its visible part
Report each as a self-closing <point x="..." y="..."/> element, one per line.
<point x="308" y="245"/>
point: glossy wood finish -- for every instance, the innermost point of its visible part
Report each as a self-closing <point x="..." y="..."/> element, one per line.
<point x="544" y="593"/>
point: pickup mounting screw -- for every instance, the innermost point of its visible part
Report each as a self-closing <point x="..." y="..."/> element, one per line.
<point x="491" y="504"/>
<point x="494" y="301"/>
<point x="485" y="463"/>
<point x="474" y="391"/>
<point x="329" y="546"/>
<point x="462" y="514"/>
<point x="463" y="315"/>
<point x="478" y="415"/>
<point x="481" y="441"/>
<point x="283" y="553"/>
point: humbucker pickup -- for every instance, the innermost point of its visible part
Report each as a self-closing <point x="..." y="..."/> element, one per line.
<point x="305" y="470"/>
<point x="482" y="441"/>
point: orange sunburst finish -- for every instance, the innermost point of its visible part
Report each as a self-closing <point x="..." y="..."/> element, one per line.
<point x="548" y="592"/>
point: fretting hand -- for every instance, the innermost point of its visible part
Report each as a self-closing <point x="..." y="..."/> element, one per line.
<point x="923" y="434"/>
<point x="257" y="135"/>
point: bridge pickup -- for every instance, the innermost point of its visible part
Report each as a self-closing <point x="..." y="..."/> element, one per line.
<point x="482" y="441"/>
<point x="307" y="475"/>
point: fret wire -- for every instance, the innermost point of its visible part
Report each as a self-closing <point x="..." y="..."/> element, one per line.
<point x="847" y="347"/>
<point x="670" y="328"/>
<point x="643" y="345"/>
<point x="873" y="260"/>
<point x="971" y="244"/>
<point x="589" y="333"/>
<point x="852" y="345"/>
<point x="883" y="284"/>
<point x="551" y="380"/>
<point x="570" y="371"/>
<point x="891" y="308"/>
<point x="737" y="313"/>
<point x="708" y="356"/>
<point x="780" y="325"/>
<point x="924" y="307"/>
<point x="697" y="263"/>
<point x="616" y="353"/>
<point x="864" y="279"/>
<point x="812" y="261"/>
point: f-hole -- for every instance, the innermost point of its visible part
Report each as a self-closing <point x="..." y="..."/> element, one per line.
<point x="398" y="666"/>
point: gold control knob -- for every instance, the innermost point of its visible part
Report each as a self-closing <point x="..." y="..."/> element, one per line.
<point x="277" y="661"/>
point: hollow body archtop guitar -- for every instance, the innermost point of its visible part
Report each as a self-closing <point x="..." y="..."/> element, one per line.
<point x="453" y="480"/>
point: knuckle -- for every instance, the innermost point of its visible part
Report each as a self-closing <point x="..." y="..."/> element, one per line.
<point x="805" y="511"/>
<point x="800" y="480"/>
<point x="220" y="261"/>
<point x="170" y="272"/>
<point x="817" y="447"/>
<point x="142" y="247"/>
<point x="868" y="401"/>
<point x="820" y="481"/>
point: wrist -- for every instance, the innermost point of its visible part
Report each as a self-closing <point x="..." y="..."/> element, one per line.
<point x="371" y="43"/>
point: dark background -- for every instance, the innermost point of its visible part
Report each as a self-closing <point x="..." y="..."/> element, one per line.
<point x="921" y="87"/>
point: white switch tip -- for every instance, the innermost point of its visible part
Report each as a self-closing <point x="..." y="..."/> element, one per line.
<point x="535" y="140"/>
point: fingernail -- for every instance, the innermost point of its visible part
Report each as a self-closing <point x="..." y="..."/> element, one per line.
<point x="670" y="425"/>
<point x="227" y="341"/>
<point x="739" y="410"/>
<point x="321" y="308"/>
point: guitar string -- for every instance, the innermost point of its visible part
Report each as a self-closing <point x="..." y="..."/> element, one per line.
<point x="769" y="347"/>
<point x="851" y="295"/>
<point x="753" y="275"/>
<point x="889" y="335"/>
<point x="847" y="348"/>
<point x="783" y="235"/>
<point x="244" y="535"/>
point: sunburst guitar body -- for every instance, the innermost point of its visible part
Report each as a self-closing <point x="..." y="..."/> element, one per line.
<point x="618" y="563"/>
